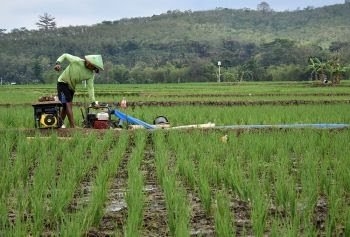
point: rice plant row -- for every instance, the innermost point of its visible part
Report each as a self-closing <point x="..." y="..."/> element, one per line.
<point x="282" y="182"/>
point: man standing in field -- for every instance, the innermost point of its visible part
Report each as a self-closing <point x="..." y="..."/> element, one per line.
<point x="77" y="71"/>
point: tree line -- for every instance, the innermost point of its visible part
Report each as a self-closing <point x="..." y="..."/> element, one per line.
<point x="252" y="45"/>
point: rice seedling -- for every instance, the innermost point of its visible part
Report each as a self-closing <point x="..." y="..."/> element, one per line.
<point x="205" y="191"/>
<point x="259" y="212"/>
<point x="177" y="207"/>
<point x="335" y="208"/>
<point x="134" y="195"/>
<point x="186" y="169"/>
<point x="90" y="215"/>
<point x="309" y="188"/>
<point x="234" y="178"/>
<point x="347" y="221"/>
<point x="175" y="195"/>
<point x="161" y="156"/>
<point x="223" y="217"/>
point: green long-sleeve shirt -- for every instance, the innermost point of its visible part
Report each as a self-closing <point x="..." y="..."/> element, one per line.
<point x="76" y="72"/>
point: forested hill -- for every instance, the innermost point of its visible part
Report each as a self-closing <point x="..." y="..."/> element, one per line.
<point x="186" y="46"/>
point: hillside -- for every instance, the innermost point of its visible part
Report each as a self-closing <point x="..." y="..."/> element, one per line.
<point x="321" y="25"/>
<point x="185" y="46"/>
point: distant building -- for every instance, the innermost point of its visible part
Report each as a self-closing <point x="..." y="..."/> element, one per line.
<point x="347" y="1"/>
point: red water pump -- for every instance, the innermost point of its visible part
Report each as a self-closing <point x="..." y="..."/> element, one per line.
<point x="98" y="117"/>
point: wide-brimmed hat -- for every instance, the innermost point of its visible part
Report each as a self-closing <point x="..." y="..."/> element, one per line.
<point x="95" y="60"/>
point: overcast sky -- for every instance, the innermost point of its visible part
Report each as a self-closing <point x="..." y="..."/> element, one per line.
<point x="25" y="13"/>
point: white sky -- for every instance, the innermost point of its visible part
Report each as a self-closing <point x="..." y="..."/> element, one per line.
<point x="25" y="13"/>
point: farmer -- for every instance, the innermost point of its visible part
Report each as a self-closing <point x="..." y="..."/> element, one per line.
<point x="77" y="71"/>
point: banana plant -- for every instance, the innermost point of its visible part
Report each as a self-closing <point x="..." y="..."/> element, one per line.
<point x="317" y="68"/>
<point x="336" y="70"/>
<point x="331" y="69"/>
<point x="313" y="68"/>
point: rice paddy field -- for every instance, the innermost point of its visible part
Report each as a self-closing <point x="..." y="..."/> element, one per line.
<point x="227" y="180"/>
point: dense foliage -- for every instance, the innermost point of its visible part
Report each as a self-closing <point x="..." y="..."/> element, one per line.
<point x="186" y="46"/>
